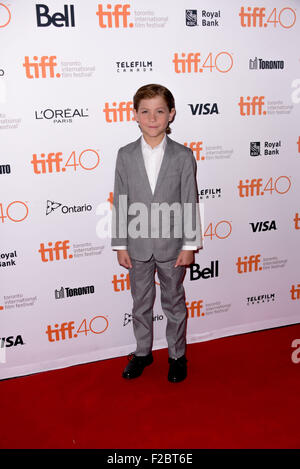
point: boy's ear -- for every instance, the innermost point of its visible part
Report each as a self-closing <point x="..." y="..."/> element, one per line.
<point x="135" y="115"/>
<point x="172" y="114"/>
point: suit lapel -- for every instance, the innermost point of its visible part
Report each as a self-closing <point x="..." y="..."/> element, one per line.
<point x="164" y="165"/>
<point x="142" y="169"/>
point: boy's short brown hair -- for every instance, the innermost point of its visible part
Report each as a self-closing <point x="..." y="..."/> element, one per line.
<point x="151" y="91"/>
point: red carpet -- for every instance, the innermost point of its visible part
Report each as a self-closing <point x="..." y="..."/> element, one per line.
<point x="241" y="392"/>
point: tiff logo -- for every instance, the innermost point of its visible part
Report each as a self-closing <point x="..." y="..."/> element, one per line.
<point x="248" y="264"/>
<point x="54" y="253"/>
<point x="46" y="64"/>
<point x="195" y="309"/>
<point x="60" y="333"/>
<point x="196" y="148"/>
<point x="122" y="283"/>
<point x="116" y="114"/>
<point x="248" y="188"/>
<point x="297" y="221"/>
<point x="116" y="18"/>
<point x="252" y="106"/>
<point x="253" y="17"/>
<point x="43" y="165"/>
<point x="295" y="292"/>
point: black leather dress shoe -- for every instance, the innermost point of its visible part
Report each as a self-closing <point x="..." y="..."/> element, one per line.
<point x="136" y="366"/>
<point x="177" y="369"/>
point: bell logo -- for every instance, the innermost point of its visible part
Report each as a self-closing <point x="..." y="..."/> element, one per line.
<point x="57" y="19"/>
<point x="116" y="18"/>
<point x="252" y="106"/>
<point x="116" y="112"/>
<point x="40" y="69"/>
<point x="196" y="148"/>
<point x="249" y="264"/>
<point x="54" y="253"/>
<point x="5" y="15"/>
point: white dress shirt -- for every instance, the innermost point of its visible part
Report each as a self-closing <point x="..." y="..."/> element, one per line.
<point x="153" y="158"/>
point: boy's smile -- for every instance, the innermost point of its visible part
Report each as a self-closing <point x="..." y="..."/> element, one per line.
<point x="153" y="116"/>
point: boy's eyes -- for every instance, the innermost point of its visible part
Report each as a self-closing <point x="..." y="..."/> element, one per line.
<point x="160" y="111"/>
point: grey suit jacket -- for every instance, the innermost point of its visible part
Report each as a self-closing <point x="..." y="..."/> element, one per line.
<point x="162" y="222"/>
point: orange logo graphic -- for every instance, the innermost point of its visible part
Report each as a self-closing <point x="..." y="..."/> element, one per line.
<point x="295" y="292"/>
<point x="221" y="230"/>
<point x="51" y="162"/>
<point x="5" y="15"/>
<point x="54" y="253"/>
<point x="45" y="68"/>
<point x="116" y="114"/>
<point x="253" y="187"/>
<point x="192" y="62"/>
<point x="252" y="106"/>
<point x="124" y="283"/>
<point x="298" y="143"/>
<point x="257" y="17"/>
<point x="15" y="211"/>
<point x="196" y="147"/>
<point x="249" y="264"/>
<point x="116" y="18"/>
<point x="297" y="221"/>
<point x="65" y="330"/>
<point x="195" y="309"/>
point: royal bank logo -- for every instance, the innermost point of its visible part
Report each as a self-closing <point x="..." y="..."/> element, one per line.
<point x="207" y="18"/>
<point x="267" y="148"/>
<point x="261" y="64"/>
<point x="191" y="17"/>
<point x="254" y="148"/>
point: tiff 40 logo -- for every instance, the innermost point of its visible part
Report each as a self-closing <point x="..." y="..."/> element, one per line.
<point x="253" y="187"/>
<point x="54" y="163"/>
<point x="16" y="211"/>
<point x="67" y="330"/>
<point x="256" y="17"/>
<point x="193" y="63"/>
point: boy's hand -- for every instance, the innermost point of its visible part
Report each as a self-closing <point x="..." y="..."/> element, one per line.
<point x="124" y="259"/>
<point x="185" y="258"/>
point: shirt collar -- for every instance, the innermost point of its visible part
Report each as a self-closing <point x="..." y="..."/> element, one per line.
<point x="161" y="145"/>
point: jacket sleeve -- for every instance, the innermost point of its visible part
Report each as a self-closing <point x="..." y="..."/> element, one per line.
<point x="191" y="228"/>
<point x="119" y="234"/>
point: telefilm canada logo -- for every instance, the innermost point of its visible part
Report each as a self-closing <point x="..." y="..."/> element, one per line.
<point x="205" y="18"/>
<point x="130" y="66"/>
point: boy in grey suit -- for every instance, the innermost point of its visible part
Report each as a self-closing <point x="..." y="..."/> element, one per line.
<point x="156" y="225"/>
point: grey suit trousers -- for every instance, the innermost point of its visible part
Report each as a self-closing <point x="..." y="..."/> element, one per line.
<point x="143" y="292"/>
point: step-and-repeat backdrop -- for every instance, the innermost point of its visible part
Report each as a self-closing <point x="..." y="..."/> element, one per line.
<point x="68" y="73"/>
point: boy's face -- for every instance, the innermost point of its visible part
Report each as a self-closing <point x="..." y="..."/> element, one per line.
<point x="153" y="116"/>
